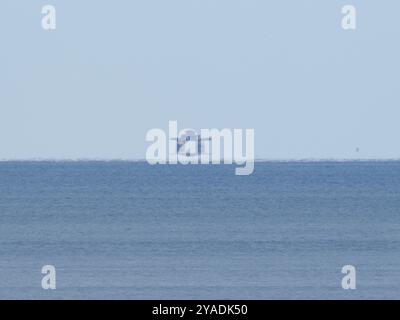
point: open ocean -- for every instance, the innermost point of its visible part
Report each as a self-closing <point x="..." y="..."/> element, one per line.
<point x="128" y="230"/>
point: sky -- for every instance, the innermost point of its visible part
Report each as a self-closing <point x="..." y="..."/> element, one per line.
<point x="113" y="70"/>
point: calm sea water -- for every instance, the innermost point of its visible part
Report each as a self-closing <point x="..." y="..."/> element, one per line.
<point x="125" y="230"/>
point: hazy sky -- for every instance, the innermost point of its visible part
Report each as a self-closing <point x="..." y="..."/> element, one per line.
<point x="113" y="69"/>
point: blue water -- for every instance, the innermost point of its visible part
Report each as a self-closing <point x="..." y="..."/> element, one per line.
<point x="126" y="230"/>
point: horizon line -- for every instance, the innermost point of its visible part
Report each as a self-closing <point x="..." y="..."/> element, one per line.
<point x="255" y="160"/>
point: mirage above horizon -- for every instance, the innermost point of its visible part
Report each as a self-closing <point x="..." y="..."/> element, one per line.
<point x="189" y="147"/>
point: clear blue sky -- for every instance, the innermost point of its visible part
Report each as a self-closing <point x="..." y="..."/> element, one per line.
<point x="115" y="69"/>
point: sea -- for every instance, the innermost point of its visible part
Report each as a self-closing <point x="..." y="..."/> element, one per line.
<point x="130" y="230"/>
